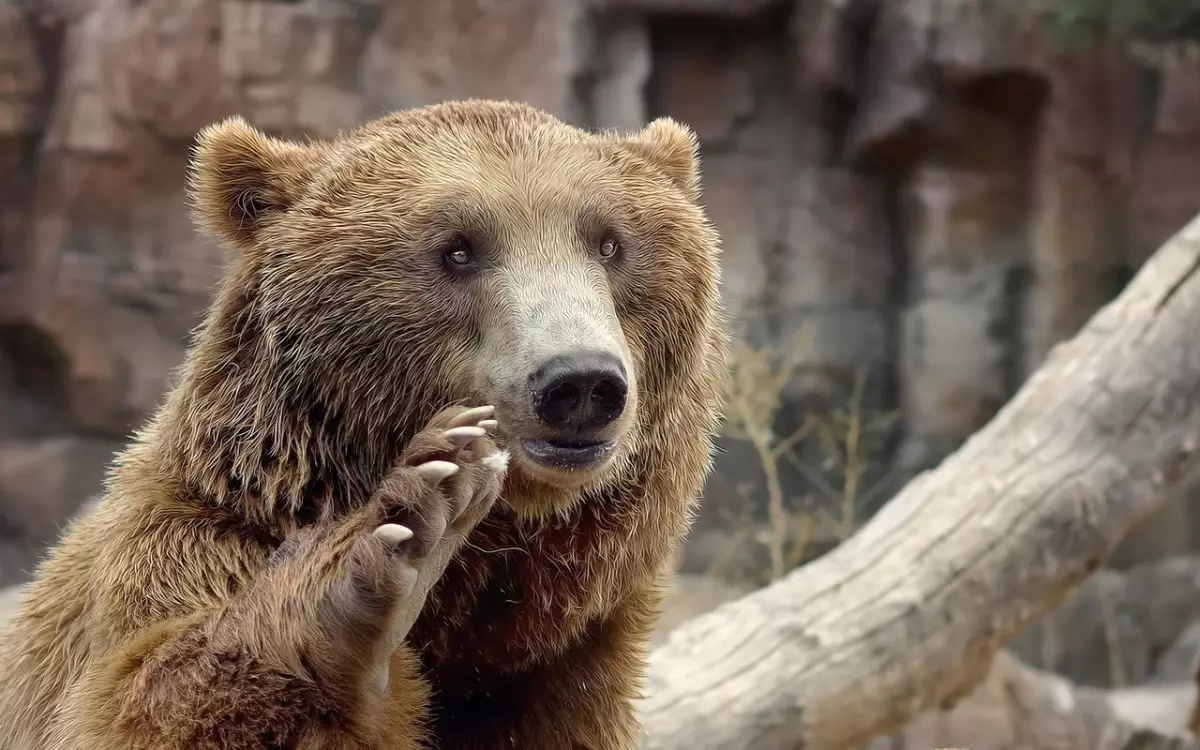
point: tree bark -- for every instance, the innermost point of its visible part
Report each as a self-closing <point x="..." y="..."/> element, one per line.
<point x="908" y="613"/>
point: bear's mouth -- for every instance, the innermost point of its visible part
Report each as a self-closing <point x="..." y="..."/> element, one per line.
<point x="568" y="455"/>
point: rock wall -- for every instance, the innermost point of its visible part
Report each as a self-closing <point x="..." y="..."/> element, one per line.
<point x="931" y="193"/>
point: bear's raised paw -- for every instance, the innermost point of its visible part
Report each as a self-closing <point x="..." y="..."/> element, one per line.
<point x="447" y="481"/>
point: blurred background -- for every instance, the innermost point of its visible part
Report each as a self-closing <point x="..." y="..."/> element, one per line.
<point x="918" y="199"/>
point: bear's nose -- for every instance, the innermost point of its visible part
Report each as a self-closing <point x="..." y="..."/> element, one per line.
<point x="579" y="394"/>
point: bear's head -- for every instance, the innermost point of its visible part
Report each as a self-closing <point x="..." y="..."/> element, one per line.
<point x="471" y="252"/>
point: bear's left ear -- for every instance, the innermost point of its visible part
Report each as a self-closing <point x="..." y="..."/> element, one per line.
<point x="672" y="147"/>
<point x="242" y="178"/>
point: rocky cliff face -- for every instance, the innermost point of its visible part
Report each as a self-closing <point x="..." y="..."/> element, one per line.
<point x="927" y="192"/>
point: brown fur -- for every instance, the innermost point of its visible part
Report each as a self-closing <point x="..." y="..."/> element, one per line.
<point x="184" y="611"/>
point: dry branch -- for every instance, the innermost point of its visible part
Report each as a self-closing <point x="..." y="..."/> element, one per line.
<point x="908" y="613"/>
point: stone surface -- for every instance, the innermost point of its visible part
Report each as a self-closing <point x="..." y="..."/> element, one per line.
<point x="1082" y="168"/>
<point x="9" y="599"/>
<point x="1017" y="707"/>
<point x="1178" y="663"/>
<point x="925" y="194"/>
<point x="1119" y="629"/>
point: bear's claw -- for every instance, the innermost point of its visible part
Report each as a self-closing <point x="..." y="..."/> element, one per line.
<point x="472" y="416"/>
<point x="460" y="436"/>
<point x="393" y="534"/>
<point x="435" y="471"/>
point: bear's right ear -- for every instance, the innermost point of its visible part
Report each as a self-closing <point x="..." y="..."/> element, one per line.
<point x="240" y="178"/>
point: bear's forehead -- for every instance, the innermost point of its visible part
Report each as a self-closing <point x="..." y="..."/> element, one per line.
<point x="511" y="119"/>
<point x="463" y="165"/>
<point x="477" y="153"/>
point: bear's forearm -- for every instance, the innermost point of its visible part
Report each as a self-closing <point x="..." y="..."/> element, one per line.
<point x="164" y="688"/>
<point x="177" y="686"/>
<point x="296" y="643"/>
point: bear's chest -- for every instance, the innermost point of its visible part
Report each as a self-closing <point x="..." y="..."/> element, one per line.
<point x="511" y="600"/>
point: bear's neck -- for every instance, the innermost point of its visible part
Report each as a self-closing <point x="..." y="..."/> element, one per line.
<point x="280" y="447"/>
<point x="238" y="446"/>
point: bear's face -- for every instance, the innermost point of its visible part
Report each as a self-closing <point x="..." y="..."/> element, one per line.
<point x="475" y="251"/>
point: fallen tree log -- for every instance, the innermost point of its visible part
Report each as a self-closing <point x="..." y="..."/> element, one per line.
<point x="908" y="613"/>
<point x="1018" y="706"/>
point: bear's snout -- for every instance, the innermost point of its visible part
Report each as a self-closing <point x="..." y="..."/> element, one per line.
<point x="576" y="399"/>
<point x="578" y="395"/>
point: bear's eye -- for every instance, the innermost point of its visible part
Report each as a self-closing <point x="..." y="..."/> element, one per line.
<point x="609" y="248"/>
<point x="458" y="255"/>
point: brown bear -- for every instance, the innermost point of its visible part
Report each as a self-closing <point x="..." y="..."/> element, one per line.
<point x="447" y="417"/>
